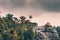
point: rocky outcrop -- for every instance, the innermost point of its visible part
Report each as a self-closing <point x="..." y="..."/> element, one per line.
<point x="49" y="34"/>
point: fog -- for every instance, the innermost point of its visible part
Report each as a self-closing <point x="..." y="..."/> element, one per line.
<point x="42" y="10"/>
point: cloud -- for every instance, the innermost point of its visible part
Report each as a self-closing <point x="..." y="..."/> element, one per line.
<point x="49" y="5"/>
<point x="12" y="3"/>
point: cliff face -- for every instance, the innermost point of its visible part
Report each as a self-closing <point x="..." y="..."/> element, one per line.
<point x="47" y="34"/>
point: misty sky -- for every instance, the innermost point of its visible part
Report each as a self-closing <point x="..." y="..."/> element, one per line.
<point x="42" y="10"/>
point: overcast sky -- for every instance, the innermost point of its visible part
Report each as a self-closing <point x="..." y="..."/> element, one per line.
<point x="42" y="10"/>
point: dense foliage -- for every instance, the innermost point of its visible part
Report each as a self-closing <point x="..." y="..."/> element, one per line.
<point x="12" y="28"/>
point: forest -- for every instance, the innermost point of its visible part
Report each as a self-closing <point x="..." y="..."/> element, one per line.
<point x="12" y="28"/>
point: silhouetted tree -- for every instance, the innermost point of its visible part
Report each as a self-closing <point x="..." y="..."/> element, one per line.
<point x="30" y="16"/>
